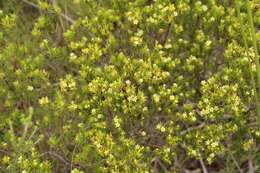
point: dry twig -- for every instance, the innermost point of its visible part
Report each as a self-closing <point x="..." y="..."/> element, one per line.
<point x="64" y="16"/>
<point x="203" y="166"/>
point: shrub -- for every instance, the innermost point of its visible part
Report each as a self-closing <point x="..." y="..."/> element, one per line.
<point x="128" y="86"/>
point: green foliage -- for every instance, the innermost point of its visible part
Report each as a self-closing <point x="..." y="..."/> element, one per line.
<point x="128" y="86"/>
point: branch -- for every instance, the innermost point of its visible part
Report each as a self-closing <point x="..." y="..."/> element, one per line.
<point x="5" y="152"/>
<point x="65" y="161"/>
<point x="57" y="156"/>
<point x="31" y="4"/>
<point x="192" y="128"/>
<point x="64" y="16"/>
<point x="192" y="171"/>
<point x="251" y="168"/>
<point x="203" y="166"/>
<point x="157" y="162"/>
<point x="235" y="161"/>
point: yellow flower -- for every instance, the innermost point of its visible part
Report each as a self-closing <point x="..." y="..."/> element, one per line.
<point x="67" y="84"/>
<point x="135" y="21"/>
<point x="30" y="88"/>
<point x="73" y="106"/>
<point x="160" y="127"/>
<point x="117" y="121"/>
<point x="156" y="98"/>
<point x="6" y="159"/>
<point x="44" y="100"/>
<point x="143" y="133"/>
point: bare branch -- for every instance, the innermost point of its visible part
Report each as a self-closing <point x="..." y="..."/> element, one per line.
<point x="203" y="166"/>
<point x="64" y="16"/>
<point x="235" y="161"/>
<point x="158" y="162"/>
<point x="251" y="168"/>
<point x="57" y="156"/>
<point x="192" y="171"/>
<point x="192" y="128"/>
<point x="31" y="4"/>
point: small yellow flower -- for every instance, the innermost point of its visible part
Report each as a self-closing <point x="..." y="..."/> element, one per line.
<point x="168" y="46"/>
<point x="44" y="100"/>
<point x="67" y="84"/>
<point x="143" y="133"/>
<point x="30" y="88"/>
<point x="117" y="121"/>
<point x="6" y="159"/>
<point x="160" y="127"/>
<point x="132" y="98"/>
<point x="248" y="144"/>
<point x="156" y="98"/>
<point x="128" y="82"/>
<point x="73" y="106"/>
<point x="135" y="21"/>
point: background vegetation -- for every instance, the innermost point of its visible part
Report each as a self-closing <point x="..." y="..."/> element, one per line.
<point x="129" y="86"/>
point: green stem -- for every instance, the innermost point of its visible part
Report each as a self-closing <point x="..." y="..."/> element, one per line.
<point x="253" y="83"/>
<point x="253" y="36"/>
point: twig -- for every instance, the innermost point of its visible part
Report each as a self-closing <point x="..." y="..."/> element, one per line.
<point x="157" y="162"/>
<point x="168" y="31"/>
<point x="67" y="18"/>
<point x="64" y="160"/>
<point x="57" y="156"/>
<point x="31" y="4"/>
<point x="204" y="169"/>
<point x="235" y="161"/>
<point x="72" y="157"/>
<point x="192" y="171"/>
<point x="251" y="168"/>
<point x="34" y="131"/>
<point x="61" y="14"/>
<point x="5" y="152"/>
<point x="60" y="18"/>
<point x="192" y="128"/>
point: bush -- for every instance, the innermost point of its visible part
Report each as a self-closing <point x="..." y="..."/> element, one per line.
<point x="128" y="86"/>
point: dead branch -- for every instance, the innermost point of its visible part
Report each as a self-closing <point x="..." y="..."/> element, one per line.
<point x="64" y="16"/>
